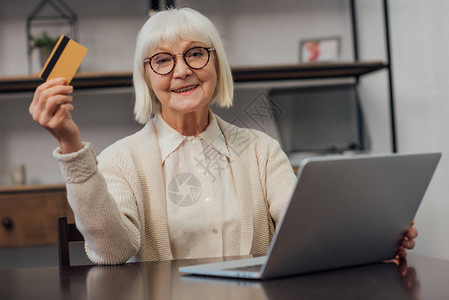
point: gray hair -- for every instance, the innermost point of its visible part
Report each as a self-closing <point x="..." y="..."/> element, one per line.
<point x="174" y="25"/>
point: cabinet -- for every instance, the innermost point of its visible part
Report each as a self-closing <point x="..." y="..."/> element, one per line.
<point x="29" y="215"/>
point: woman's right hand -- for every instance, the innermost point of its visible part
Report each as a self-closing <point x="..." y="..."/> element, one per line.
<point x="51" y="107"/>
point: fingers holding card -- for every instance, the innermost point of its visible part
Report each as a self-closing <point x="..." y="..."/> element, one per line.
<point x="51" y="105"/>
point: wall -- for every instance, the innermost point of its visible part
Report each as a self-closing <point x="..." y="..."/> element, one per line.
<point x="103" y="115"/>
<point x="419" y="37"/>
<point x="421" y="43"/>
<point x="106" y="26"/>
<point x="258" y="32"/>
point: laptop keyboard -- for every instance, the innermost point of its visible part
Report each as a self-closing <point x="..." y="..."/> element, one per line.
<point x="254" y="268"/>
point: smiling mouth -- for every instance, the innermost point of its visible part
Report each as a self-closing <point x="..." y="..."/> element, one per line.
<point x="186" y="89"/>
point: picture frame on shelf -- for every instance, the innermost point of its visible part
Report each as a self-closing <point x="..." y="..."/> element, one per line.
<point x="316" y="50"/>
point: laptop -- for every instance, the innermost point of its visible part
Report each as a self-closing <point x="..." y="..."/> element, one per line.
<point x="344" y="211"/>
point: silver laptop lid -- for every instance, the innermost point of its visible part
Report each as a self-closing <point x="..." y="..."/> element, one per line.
<point x="348" y="211"/>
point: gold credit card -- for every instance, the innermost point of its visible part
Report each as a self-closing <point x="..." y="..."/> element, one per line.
<point x="64" y="60"/>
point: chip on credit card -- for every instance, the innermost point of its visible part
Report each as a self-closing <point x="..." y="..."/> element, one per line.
<point x="64" y="60"/>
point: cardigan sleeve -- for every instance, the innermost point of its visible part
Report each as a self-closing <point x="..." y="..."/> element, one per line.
<point x="103" y="203"/>
<point x="279" y="179"/>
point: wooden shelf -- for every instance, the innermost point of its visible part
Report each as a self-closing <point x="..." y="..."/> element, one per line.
<point x="31" y="188"/>
<point x="80" y="81"/>
<point x="240" y="74"/>
<point x="306" y="71"/>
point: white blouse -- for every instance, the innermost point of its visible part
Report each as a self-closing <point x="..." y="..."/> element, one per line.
<point x="202" y="205"/>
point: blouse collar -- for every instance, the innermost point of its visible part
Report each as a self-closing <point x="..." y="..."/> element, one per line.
<point x="170" y="140"/>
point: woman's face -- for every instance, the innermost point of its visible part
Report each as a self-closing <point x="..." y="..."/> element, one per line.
<point x="183" y="90"/>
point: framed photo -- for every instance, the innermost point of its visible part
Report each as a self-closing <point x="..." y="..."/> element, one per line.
<point x="319" y="50"/>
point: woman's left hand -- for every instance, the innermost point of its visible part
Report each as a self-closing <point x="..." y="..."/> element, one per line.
<point x="408" y="242"/>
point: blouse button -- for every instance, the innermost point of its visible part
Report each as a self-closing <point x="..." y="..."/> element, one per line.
<point x="208" y="200"/>
<point x="215" y="230"/>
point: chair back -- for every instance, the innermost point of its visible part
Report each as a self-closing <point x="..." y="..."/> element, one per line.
<point x="66" y="233"/>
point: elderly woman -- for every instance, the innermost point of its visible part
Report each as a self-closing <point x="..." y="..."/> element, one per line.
<point x="188" y="184"/>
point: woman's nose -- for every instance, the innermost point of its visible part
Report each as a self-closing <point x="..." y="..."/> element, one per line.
<point x="181" y="69"/>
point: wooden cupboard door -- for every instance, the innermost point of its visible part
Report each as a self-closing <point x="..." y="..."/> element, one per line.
<point x="30" y="219"/>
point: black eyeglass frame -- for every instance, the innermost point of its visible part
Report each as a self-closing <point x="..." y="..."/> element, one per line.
<point x="208" y="49"/>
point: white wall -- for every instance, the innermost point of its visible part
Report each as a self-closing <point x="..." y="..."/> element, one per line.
<point x="103" y="116"/>
<point x="420" y="32"/>
<point x="256" y="32"/>
<point x="108" y="29"/>
<point x="420" y="41"/>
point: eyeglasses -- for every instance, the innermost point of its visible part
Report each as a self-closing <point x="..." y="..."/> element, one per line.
<point x="164" y="62"/>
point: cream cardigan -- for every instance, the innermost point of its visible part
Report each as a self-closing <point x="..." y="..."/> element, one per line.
<point x="120" y="206"/>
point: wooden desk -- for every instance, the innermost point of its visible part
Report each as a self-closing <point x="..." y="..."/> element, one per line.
<point x="427" y="278"/>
